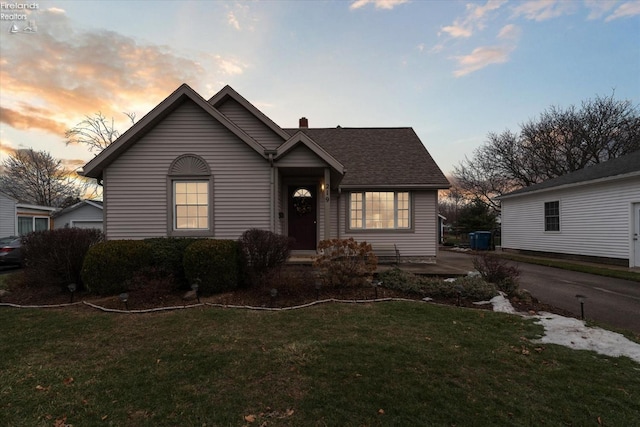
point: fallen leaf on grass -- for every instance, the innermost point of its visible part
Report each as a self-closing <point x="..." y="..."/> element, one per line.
<point x="67" y="381"/>
<point x="40" y="388"/>
<point x="250" y="418"/>
<point x="380" y="411"/>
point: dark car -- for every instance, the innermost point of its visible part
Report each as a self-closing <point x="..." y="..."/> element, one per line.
<point x="10" y="251"/>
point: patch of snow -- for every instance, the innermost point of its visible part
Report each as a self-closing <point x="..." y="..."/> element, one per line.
<point x="427" y="299"/>
<point x="450" y="279"/>
<point x="502" y="304"/>
<point x="481" y="302"/>
<point x="573" y="333"/>
<point x="473" y="274"/>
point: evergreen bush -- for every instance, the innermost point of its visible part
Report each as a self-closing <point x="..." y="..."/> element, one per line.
<point x="111" y="267"/>
<point x="214" y="263"/>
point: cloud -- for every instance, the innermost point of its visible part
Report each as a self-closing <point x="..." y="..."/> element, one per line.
<point x="379" y="4"/>
<point x="30" y="118"/>
<point x="474" y="19"/>
<point x="66" y="73"/>
<point x="541" y="10"/>
<point x="233" y="21"/>
<point x="625" y="10"/>
<point x="480" y="58"/>
<point x="510" y="32"/>
<point x="599" y="7"/>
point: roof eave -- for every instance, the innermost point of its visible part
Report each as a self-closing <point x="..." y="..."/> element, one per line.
<point x="570" y="185"/>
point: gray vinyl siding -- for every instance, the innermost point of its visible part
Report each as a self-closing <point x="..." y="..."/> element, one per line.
<point x="421" y="241"/>
<point x="7" y="216"/>
<point x="81" y="214"/>
<point x="595" y="220"/>
<point x="250" y="124"/>
<point x="136" y="195"/>
<point x="301" y="157"/>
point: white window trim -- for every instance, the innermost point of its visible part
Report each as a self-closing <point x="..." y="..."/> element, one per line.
<point x="544" y="216"/>
<point x="395" y="212"/>
<point x="33" y="221"/>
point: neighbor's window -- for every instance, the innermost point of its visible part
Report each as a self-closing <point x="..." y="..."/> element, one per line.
<point x="552" y="216"/>
<point x="191" y="205"/>
<point x="27" y="224"/>
<point x="379" y="210"/>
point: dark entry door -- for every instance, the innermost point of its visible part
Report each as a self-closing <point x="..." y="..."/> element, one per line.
<point x="302" y="216"/>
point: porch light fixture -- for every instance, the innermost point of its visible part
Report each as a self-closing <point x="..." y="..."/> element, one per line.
<point x="581" y="299"/>
<point x="72" y="288"/>
<point x="124" y="297"/>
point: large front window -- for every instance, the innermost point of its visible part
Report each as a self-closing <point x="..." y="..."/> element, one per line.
<point x="191" y="205"/>
<point x="379" y="210"/>
<point x="27" y="224"/>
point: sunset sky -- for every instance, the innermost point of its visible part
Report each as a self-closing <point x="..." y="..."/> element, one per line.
<point x="452" y="70"/>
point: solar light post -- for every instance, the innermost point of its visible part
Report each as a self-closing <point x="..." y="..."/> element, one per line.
<point x="581" y="299"/>
<point x="194" y="288"/>
<point x="72" y="288"/>
<point x="124" y="297"/>
<point x="274" y="294"/>
<point x="459" y="289"/>
<point x="376" y="283"/>
<point x="318" y="286"/>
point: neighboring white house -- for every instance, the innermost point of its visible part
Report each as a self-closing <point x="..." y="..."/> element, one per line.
<point x="593" y="213"/>
<point x="18" y="219"/>
<point x="217" y="167"/>
<point x="84" y="214"/>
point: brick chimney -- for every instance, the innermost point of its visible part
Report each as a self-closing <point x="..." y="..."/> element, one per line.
<point x="304" y="123"/>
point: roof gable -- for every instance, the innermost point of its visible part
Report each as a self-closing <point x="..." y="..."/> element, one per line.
<point x="228" y="92"/>
<point x="93" y="203"/>
<point x="184" y="93"/>
<point x="619" y="167"/>
<point x="301" y="138"/>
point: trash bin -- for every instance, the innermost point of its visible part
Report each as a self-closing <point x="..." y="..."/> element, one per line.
<point x="472" y="240"/>
<point x="483" y="240"/>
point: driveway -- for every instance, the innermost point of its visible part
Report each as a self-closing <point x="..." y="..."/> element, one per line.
<point x="609" y="301"/>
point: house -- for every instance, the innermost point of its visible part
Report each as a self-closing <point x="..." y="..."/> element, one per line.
<point x="592" y="213"/>
<point x="216" y="168"/>
<point x="18" y="219"/>
<point x="84" y="214"/>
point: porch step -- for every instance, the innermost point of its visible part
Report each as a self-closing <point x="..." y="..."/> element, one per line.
<point x="301" y="259"/>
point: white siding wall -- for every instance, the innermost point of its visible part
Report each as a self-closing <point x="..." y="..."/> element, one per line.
<point x="419" y="242"/>
<point x="136" y="183"/>
<point x="250" y="124"/>
<point x="7" y="216"/>
<point x="83" y="213"/>
<point x="594" y="220"/>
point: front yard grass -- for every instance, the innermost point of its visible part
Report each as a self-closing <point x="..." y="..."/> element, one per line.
<point x="394" y="363"/>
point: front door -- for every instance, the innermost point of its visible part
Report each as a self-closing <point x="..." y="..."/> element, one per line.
<point x="636" y="234"/>
<point x="303" y="216"/>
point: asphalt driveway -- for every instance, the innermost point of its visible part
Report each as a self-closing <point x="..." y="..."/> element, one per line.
<point x="609" y="301"/>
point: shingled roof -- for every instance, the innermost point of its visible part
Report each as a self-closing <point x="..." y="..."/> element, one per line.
<point x="620" y="166"/>
<point x="379" y="157"/>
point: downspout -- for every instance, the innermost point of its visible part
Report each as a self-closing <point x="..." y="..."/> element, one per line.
<point x="272" y="197"/>
<point x="338" y="207"/>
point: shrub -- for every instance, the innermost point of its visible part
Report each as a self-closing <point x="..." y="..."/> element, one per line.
<point x="472" y="288"/>
<point x="216" y="263"/>
<point x="167" y="254"/>
<point x="55" y="257"/>
<point x="345" y="262"/>
<point x="112" y="267"/>
<point x="263" y="251"/>
<point x="496" y="270"/>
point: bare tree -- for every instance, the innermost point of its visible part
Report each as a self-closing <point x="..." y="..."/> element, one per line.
<point x="558" y="142"/>
<point x="96" y="132"/>
<point x="36" y="177"/>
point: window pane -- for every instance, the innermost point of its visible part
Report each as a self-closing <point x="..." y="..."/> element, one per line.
<point x="356" y="210"/>
<point x="25" y="225"/>
<point x="191" y="205"/>
<point x="42" y="224"/>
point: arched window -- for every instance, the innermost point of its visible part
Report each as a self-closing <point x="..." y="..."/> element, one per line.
<point x="302" y="201"/>
<point x="189" y="179"/>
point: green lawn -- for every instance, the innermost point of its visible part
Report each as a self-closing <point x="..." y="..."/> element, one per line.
<point x="389" y="363"/>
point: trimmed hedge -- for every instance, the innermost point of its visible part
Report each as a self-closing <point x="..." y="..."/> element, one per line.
<point x="109" y="267"/>
<point x="167" y="254"/>
<point x="215" y="263"/>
